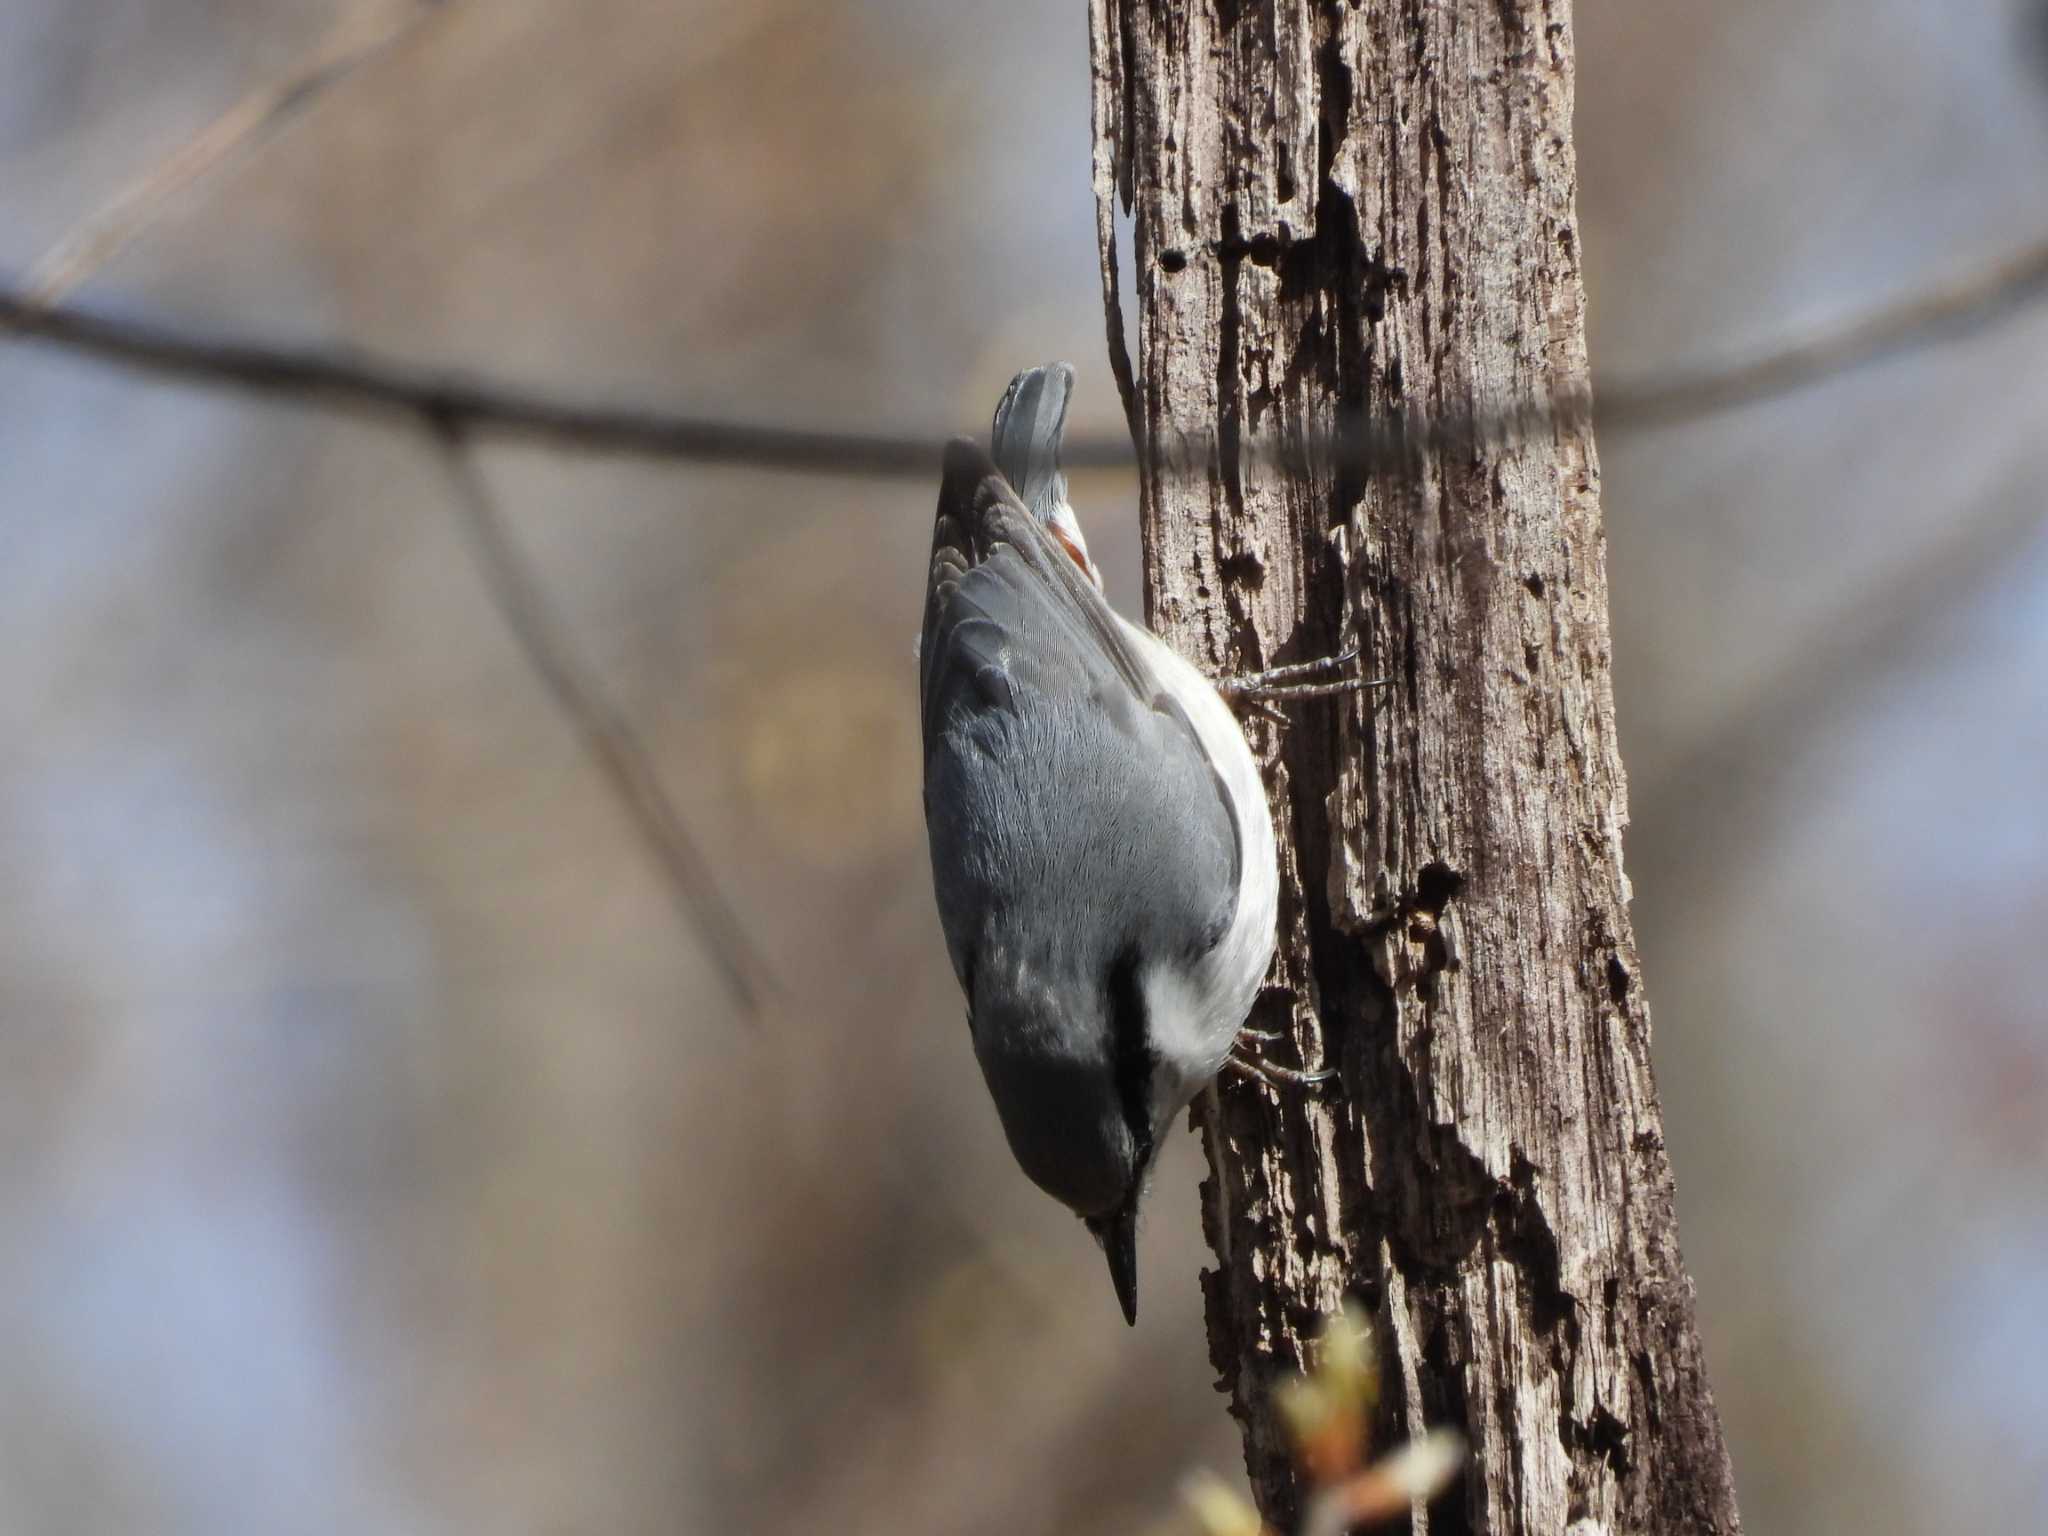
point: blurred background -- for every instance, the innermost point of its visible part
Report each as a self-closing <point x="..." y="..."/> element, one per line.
<point x="379" y="1152"/>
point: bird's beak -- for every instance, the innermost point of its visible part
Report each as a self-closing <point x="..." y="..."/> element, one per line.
<point x="1118" y="1234"/>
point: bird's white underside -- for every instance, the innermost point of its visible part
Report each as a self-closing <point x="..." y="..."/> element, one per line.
<point x="1194" y="1012"/>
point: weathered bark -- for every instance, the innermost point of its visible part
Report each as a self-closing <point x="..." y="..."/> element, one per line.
<point x="1370" y="207"/>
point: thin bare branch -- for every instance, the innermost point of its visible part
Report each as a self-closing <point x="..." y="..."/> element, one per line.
<point x="341" y="379"/>
<point x="1926" y="318"/>
<point x="362" y="35"/>
<point x="344" y="380"/>
<point x="603" y="730"/>
<point x="1733" y="763"/>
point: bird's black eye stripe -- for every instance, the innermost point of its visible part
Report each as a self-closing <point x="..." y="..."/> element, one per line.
<point x="1132" y="1057"/>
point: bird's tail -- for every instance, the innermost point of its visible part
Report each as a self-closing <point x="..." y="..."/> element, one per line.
<point x="1025" y="443"/>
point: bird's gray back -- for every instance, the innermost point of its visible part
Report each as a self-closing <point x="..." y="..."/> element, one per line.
<point x="1062" y="784"/>
<point x="1102" y="830"/>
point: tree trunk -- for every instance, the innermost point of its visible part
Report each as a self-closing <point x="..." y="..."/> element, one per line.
<point x="1369" y="207"/>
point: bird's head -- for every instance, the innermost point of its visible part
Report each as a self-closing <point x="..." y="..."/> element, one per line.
<point x="1073" y="1091"/>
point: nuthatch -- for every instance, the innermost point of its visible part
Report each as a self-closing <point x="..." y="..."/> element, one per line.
<point x="1102" y="848"/>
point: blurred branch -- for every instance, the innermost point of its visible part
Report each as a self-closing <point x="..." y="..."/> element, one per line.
<point x="1926" y="318"/>
<point x="1731" y="764"/>
<point x="344" y="380"/>
<point x="362" y="34"/>
<point x="341" y="379"/>
<point x="604" y="732"/>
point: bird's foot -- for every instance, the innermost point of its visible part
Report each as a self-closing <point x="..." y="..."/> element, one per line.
<point x="1251" y="1066"/>
<point x="1297" y="680"/>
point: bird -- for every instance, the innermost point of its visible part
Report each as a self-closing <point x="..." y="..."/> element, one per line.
<point x="1102" y="846"/>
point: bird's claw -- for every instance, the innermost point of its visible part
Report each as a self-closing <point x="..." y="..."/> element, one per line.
<point x="1250" y="1066"/>
<point x="1291" y="682"/>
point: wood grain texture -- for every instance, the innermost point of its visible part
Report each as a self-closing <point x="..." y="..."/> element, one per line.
<point x="1370" y="207"/>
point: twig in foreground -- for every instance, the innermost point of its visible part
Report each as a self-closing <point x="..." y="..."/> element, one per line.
<point x="344" y="380"/>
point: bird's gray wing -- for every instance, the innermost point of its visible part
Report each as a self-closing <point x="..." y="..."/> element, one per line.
<point x="1058" y="769"/>
<point x="1006" y="604"/>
